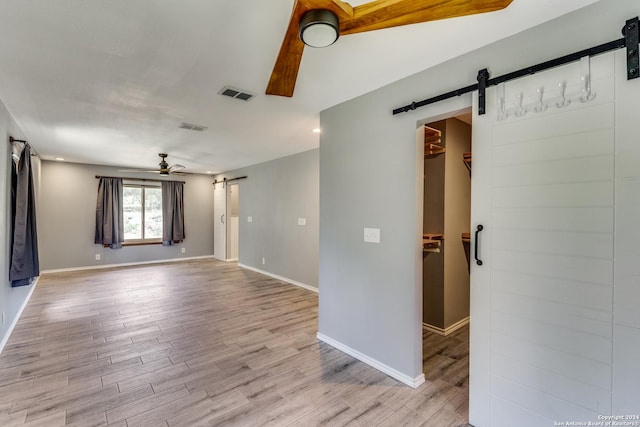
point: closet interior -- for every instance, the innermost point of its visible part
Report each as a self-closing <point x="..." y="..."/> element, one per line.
<point x="446" y="223"/>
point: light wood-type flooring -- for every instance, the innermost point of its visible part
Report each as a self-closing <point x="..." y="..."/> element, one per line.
<point x="199" y="343"/>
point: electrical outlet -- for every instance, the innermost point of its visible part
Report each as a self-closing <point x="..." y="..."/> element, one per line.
<point x="183" y="250"/>
<point x="97" y="257"/>
<point x="249" y="219"/>
<point x="302" y="221"/>
<point x="263" y="261"/>
<point x="372" y="235"/>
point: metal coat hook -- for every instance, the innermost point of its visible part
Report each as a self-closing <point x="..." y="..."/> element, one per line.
<point x="520" y="110"/>
<point x="540" y="106"/>
<point x="502" y="113"/>
<point x="564" y="101"/>
<point x="585" y="77"/>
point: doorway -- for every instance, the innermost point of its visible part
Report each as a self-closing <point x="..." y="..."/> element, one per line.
<point x="446" y="240"/>
<point x="219" y="218"/>
<point x="226" y="208"/>
<point x="233" y="223"/>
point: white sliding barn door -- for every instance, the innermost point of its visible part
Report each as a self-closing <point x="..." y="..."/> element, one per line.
<point x="626" y="315"/>
<point x="542" y="303"/>
<point x="220" y="219"/>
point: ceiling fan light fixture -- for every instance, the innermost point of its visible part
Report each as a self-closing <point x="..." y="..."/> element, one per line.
<point x="319" y="28"/>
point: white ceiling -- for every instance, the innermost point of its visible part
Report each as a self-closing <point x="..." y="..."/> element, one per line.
<point x="109" y="81"/>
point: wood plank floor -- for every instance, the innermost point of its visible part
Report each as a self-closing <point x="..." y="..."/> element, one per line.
<point x="203" y="343"/>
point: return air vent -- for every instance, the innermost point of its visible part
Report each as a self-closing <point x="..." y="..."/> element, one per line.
<point x="236" y="93"/>
<point x="189" y="126"/>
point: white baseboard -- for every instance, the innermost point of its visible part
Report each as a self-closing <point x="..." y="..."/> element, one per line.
<point x="124" y="264"/>
<point x="275" y="276"/>
<point x="14" y="322"/>
<point x="405" y="379"/>
<point x="451" y="329"/>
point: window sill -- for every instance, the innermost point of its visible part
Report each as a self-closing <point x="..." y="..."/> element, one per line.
<point x="125" y="244"/>
<point x="148" y="242"/>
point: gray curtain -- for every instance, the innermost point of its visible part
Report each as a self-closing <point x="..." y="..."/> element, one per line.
<point x="172" y="212"/>
<point x="25" y="264"/>
<point x="109" y="217"/>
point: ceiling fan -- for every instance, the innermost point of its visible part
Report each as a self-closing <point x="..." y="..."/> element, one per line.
<point x="318" y="23"/>
<point x="165" y="169"/>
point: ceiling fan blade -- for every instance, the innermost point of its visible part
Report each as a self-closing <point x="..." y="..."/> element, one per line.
<point x="381" y="14"/>
<point x="285" y="71"/>
<point x="176" y="167"/>
<point x="139" y="170"/>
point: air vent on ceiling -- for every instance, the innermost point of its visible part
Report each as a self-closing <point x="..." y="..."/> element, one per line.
<point x="192" y="127"/>
<point x="236" y="93"/>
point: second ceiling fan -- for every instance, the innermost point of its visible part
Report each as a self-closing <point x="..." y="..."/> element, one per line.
<point x="320" y="22"/>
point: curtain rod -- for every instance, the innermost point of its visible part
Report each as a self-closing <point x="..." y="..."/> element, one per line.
<point x="139" y="179"/>
<point x="225" y="180"/>
<point x="630" y="41"/>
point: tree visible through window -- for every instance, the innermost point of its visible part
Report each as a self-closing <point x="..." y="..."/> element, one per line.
<point x="142" y="209"/>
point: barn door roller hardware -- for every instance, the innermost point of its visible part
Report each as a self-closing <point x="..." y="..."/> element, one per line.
<point x="630" y="41"/>
<point x="483" y="77"/>
<point x="224" y="181"/>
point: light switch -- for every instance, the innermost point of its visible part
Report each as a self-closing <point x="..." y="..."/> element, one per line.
<point x="302" y="221"/>
<point x="372" y="235"/>
<point x="249" y="219"/>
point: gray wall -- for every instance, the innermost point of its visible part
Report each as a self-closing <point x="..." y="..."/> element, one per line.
<point x="275" y="195"/>
<point x="67" y="219"/>
<point x="371" y="293"/>
<point x="11" y="299"/>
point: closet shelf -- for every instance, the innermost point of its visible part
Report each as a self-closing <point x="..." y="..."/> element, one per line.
<point x="432" y="142"/>
<point x="433" y="236"/>
<point x="466" y="237"/>
<point x="432" y="242"/>
<point x="433" y="149"/>
<point x="466" y="158"/>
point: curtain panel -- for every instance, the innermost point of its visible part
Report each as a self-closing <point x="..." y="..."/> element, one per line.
<point x="25" y="264"/>
<point x="109" y="216"/>
<point x="172" y="212"/>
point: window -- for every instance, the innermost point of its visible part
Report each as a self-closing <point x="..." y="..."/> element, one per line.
<point x="142" y="213"/>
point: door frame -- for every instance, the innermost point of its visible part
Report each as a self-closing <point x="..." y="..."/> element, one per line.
<point x="477" y="305"/>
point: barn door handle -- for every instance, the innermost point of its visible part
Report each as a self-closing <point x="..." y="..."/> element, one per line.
<point x="475" y="254"/>
<point x="222" y="218"/>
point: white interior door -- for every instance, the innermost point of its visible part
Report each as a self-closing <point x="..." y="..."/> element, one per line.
<point x="626" y="316"/>
<point x="542" y="300"/>
<point x="219" y="217"/>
